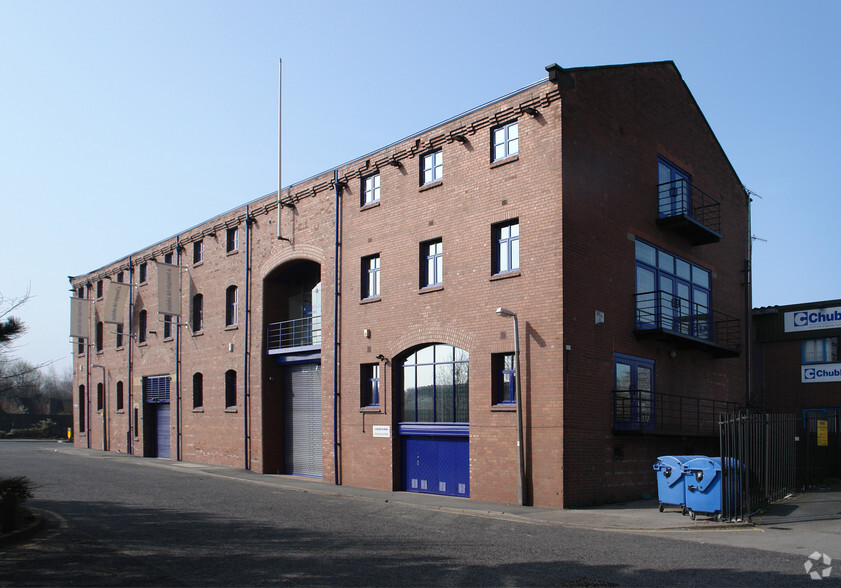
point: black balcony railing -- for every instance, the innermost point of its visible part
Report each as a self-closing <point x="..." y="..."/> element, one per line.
<point x="295" y="335"/>
<point x="640" y="411"/>
<point x="663" y="315"/>
<point x="689" y="210"/>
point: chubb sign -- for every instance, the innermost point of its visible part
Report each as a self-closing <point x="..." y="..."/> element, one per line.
<point x="827" y="372"/>
<point x="814" y="319"/>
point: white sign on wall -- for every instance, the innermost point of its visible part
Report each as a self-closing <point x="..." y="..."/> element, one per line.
<point x="814" y="319"/>
<point x="382" y="431"/>
<point x="826" y="372"/>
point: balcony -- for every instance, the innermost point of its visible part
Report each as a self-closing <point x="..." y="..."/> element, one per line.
<point x="690" y="211"/>
<point x="639" y="411"/>
<point x="686" y="325"/>
<point x="295" y="336"/>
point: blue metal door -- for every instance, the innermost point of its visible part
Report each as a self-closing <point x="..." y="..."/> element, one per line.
<point x="436" y="465"/>
<point x="156" y="397"/>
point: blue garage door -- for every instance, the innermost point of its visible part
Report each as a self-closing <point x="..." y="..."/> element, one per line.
<point x="436" y="465"/>
<point x="156" y="397"/>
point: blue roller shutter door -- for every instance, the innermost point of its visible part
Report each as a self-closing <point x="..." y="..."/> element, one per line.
<point x="437" y="465"/>
<point x="156" y="396"/>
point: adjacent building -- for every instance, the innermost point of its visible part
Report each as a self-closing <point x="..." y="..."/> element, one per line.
<point x="347" y="328"/>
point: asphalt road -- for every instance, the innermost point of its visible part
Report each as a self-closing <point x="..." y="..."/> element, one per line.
<point x="113" y="522"/>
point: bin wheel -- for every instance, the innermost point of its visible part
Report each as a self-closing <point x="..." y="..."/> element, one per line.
<point x="718" y="517"/>
<point x="684" y="511"/>
<point x="692" y="514"/>
<point x="662" y="506"/>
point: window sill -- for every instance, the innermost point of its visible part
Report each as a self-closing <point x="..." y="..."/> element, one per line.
<point x="370" y="205"/>
<point x="370" y="409"/>
<point x="229" y="253"/>
<point x="231" y="327"/>
<point x="507" y="160"/>
<point x="121" y="411"/>
<point x="198" y="263"/>
<point x="431" y="185"/>
<point x="198" y="333"/>
<point x="100" y="351"/>
<point x="198" y="409"/>
<point x="120" y="348"/>
<point x="143" y="344"/>
<point x="231" y="409"/>
<point x="505" y="276"/>
<point x="428" y="289"/>
<point x="170" y="338"/>
<point x="504" y="408"/>
<point x="370" y="300"/>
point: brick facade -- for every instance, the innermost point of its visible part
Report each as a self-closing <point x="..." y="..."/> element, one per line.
<point x="582" y="188"/>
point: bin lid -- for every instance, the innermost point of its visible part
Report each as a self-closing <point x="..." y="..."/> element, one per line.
<point x="704" y="469"/>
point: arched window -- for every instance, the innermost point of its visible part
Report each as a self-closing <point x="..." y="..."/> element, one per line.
<point x="198" y="313"/>
<point x="120" y="404"/>
<point x="231" y="389"/>
<point x="231" y="304"/>
<point x="435" y="385"/>
<point x="198" y="390"/>
<point x="82" y="408"/>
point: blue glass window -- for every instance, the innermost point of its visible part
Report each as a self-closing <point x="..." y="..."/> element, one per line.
<point x="506" y="141"/>
<point x="673" y="186"/>
<point x="633" y="400"/>
<point x="432" y="263"/>
<point x="435" y="385"/>
<point x="432" y="167"/>
<point x="504" y="374"/>
<point x="370" y="379"/>
<point x="507" y="251"/>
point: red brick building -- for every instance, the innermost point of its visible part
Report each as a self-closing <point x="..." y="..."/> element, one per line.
<point x="348" y="330"/>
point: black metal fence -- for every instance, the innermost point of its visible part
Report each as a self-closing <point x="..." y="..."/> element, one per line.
<point x="668" y="414"/>
<point x="765" y="457"/>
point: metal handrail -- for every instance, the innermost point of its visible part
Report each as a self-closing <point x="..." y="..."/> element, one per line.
<point x="682" y="198"/>
<point x="663" y="310"/>
<point x="295" y="333"/>
<point x="657" y="412"/>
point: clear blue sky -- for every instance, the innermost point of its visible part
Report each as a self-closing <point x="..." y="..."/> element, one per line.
<point x="125" y="122"/>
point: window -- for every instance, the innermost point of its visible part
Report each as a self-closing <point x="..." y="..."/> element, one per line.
<point x="198" y="390"/>
<point x="141" y="273"/>
<point x="230" y="389"/>
<point x="119" y="336"/>
<point x="673" y="187"/>
<point x="120" y="403"/>
<point x="432" y="167"/>
<point x="120" y="277"/>
<point x="371" y="189"/>
<point x="820" y="350"/>
<point x="371" y="276"/>
<point x="231" y="295"/>
<point x="506" y="141"/>
<point x="633" y="396"/>
<point x="198" y="313"/>
<point x="232" y="240"/>
<point x="432" y="263"/>
<point x="503" y="378"/>
<point x="672" y="294"/>
<point x="99" y="288"/>
<point x="100" y="397"/>
<point x="100" y="335"/>
<point x="370" y="379"/>
<point x="168" y="326"/>
<point x="435" y="385"/>
<point x="198" y="251"/>
<point x="141" y="327"/>
<point x="168" y="258"/>
<point x="506" y="238"/>
<point x="82" y="409"/>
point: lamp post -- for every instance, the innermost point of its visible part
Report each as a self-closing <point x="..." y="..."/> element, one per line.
<point x="521" y="480"/>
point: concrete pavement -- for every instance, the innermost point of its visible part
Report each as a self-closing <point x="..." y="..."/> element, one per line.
<point x="800" y="525"/>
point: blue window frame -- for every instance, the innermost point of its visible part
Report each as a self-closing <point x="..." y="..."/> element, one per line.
<point x="506" y="140"/>
<point x="633" y="396"/>
<point x="674" y="189"/>
<point x="371" y="189"/>
<point x="371" y="276"/>
<point x="507" y="250"/>
<point x="672" y="293"/>
<point x="370" y="379"/>
<point x="432" y="263"/>
<point x="504" y="391"/>
<point x="432" y="167"/>
<point x="435" y="385"/>
<point x="824" y="350"/>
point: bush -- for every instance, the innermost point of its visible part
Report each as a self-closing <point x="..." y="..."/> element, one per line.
<point x="13" y="491"/>
<point x="45" y="429"/>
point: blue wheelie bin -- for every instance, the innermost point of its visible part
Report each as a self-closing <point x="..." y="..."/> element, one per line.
<point x="671" y="489"/>
<point x="703" y="486"/>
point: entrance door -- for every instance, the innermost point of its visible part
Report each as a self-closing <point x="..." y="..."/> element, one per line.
<point x="156" y="398"/>
<point x="162" y="420"/>
<point x="634" y="393"/>
<point x="436" y="465"/>
<point x="302" y="420"/>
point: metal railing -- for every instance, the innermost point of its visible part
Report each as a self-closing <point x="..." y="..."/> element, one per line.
<point x="681" y="198"/>
<point x="294" y="334"/>
<point x="664" y="311"/>
<point x="667" y="414"/>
